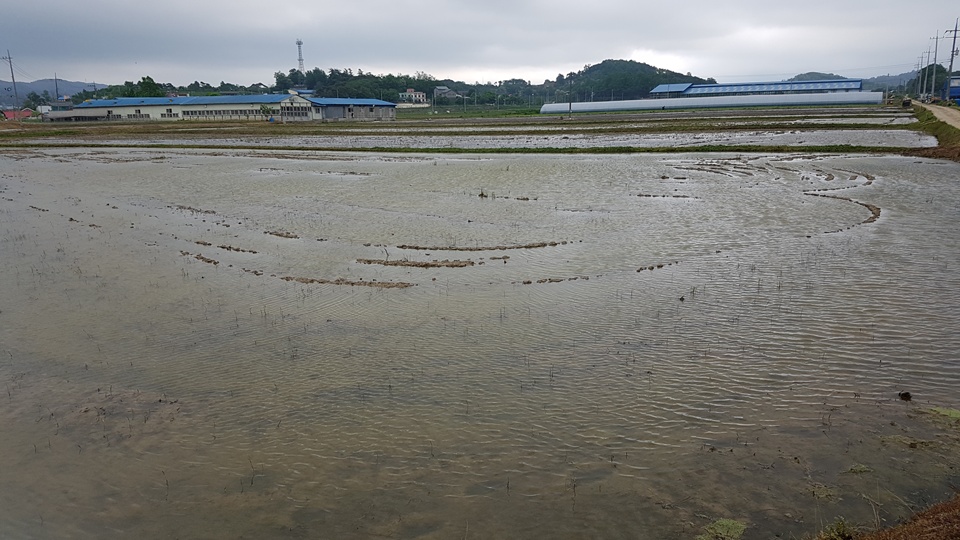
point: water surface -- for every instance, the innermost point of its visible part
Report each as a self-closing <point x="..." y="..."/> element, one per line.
<point x="282" y="344"/>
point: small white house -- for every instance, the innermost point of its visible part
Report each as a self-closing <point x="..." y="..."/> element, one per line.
<point x="412" y="96"/>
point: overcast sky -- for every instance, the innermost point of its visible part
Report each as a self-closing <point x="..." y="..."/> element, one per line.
<point x="244" y="41"/>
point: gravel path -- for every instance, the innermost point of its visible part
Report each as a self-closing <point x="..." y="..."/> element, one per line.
<point x="944" y="114"/>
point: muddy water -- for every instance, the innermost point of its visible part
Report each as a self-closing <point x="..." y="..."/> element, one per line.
<point x="260" y="344"/>
<point x="886" y="138"/>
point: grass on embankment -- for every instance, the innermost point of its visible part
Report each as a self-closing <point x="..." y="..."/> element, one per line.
<point x="948" y="137"/>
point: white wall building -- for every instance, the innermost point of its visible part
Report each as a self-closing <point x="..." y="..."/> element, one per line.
<point x="265" y="107"/>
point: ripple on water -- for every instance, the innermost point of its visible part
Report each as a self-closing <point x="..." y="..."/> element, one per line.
<point x="631" y="325"/>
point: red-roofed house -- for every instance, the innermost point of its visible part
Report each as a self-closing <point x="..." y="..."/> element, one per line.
<point x="17" y="115"/>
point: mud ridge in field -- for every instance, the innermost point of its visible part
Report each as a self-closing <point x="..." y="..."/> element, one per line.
<point x="283" y="234"/>
<point x="446" y="263"/>
<point x="341" y="281"/>
<point x="874" y="209"/>
<point x="483" y="248"/>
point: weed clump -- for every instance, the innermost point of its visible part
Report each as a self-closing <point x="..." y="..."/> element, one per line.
<point x="839" y="530"/>
<point x="723" y="529"/>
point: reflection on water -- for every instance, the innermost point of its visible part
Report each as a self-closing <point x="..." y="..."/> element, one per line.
<point x="216" y="344"/>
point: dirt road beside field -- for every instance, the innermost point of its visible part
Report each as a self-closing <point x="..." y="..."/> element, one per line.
<point x="944" y="114"/>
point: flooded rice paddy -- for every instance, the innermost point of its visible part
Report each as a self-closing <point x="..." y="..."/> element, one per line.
<point x="555" y="138"/>
<point x="276" y="344"/>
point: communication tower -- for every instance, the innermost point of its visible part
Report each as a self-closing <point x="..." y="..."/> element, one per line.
<point x="300" y="53"/>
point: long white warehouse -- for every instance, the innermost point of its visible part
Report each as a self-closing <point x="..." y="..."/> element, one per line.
<point x="270" y="107"/>
<point x="772" y="94"/>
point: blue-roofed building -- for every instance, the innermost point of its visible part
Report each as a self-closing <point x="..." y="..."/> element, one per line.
<point x="740" y="89"/>
<point x="291" y="107"/>
<point x="353" y="109"/>
<point x="758" y="94"/>
<point x="670" y="90"/>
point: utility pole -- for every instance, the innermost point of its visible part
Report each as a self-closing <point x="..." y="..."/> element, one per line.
<point x="16" y="97"/>
<point x="916" y="80"/>
<point x="925" y="59"/>
<point x="933" y="76"/>
<point x="953" y="54"/>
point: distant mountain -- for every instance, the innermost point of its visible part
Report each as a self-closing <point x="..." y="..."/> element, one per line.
<point x="51" y="86"/>
<point x="892" y="82"/>
<point x="618" y="79"/>
<point x="815" y="76"/>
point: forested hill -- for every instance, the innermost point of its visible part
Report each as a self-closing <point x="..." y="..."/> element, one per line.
<point x="620" y="79"/>
<point x="610" y="79"/>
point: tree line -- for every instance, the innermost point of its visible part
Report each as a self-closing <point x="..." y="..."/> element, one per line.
<point x="609" y="80"/>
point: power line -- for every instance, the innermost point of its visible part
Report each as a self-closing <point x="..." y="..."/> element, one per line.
<point x="24" y="75"/>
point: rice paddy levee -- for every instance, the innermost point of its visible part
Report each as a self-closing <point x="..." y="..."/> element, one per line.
<point x="847" y="129"/>
<point x="944" y="124"/>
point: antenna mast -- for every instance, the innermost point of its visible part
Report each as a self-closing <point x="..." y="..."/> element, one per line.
<point x="300" y="53"/>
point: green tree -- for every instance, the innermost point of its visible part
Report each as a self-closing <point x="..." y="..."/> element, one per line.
<point x="147" y="87"/>
<point x="34" y="100"/>
<point x="199" y="87"/>
<point x="296" y="78"/>
<point x="315" y="78"/>
<point x="283" y="82"/>
<point x="228" y="87"/>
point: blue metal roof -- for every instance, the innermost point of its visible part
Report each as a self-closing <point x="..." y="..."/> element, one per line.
<point x="124" y="102"/>
<point x="347" y="102"/>
<point x="759" y="87"/>
<point x="785" y="86"/>
<point x="183" y="100"/>
<point x="670" y="88"/>
<point x="234" y="100"/>
<point x="228" y="100"/>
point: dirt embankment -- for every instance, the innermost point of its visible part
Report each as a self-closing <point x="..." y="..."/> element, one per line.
<point x="939" y="522"/>
<point x="948" y="136"/>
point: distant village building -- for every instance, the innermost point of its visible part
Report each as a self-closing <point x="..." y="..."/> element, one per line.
<point x="444" y="92"/>
<point x="61" y="105"/>
<point x="412" y="96"/>
<point x="14" y="114"/>
<point x="267" y="107"/>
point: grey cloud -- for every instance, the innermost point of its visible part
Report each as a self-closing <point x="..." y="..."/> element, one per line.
<point x="246" y="42"/>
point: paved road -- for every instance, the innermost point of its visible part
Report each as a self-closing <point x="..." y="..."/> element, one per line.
<point x="944" y="114"/>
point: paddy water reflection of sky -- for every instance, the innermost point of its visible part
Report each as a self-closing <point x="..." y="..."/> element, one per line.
<point x="217" y="343"/>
